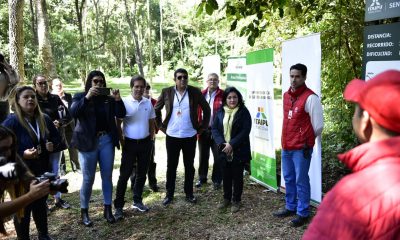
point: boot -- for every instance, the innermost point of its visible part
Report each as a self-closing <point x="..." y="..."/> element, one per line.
<point x="108" y="214"/>
<point x="85" y="217"/>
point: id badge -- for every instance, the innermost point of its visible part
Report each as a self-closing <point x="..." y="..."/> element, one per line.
<point x="290" y="114"/>
<point x="39" y="149"/>
<point x="179" y="112"/>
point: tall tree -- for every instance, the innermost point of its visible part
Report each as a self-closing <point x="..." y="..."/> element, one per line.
<point x="45" y="53"/>
<point x="80" y="8"/>
<point x="131" y="18"/>
<point x="16" y="36"/>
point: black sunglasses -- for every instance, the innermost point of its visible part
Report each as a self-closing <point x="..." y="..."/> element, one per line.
<point x="148" y="87"/>
<point x="184" y="77"/>
<point x="41" y="83"/>
<point x="95" y="81"/>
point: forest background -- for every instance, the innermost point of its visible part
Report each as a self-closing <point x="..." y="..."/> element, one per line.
<point x="68" y="38"/>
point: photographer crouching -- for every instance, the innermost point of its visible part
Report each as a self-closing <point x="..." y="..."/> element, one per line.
<point x="37" y="138"/>
<point x="14" y="176"/>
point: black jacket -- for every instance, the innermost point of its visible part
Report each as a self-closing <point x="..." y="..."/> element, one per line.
<point x="83" y="110"/>
<point x="240" y="140"/>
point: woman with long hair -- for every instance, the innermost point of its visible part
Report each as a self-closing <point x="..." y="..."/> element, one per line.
<point x="231" y="130"/>
<point x="52" y="105"/>
<point x="37" y="138"/>
<point x="95" y="136"/>
<point x="14" y="178"/>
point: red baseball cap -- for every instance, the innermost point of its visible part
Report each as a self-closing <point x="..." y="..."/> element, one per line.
<point x="380" y="97"/>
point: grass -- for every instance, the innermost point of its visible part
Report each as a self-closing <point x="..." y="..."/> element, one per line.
<point x="180" y="220"/>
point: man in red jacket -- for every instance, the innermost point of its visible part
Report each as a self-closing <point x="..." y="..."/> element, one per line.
<point x="302" y="123"/>
<point x="366" y="203"/>
<point x="213" y="95"/>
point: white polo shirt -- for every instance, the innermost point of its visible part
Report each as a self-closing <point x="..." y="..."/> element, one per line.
<point x="180" y="125"/>
<point x="138" y="114"/>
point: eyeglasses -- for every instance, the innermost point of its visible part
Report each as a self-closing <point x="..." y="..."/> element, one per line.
<point x="182" y="77"/>
<point x="213" y="80"/>
<point x="96" y="81"/>
<point x="41" y="83"/>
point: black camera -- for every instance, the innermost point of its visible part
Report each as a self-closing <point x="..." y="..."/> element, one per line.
<point x="59" y="185"/>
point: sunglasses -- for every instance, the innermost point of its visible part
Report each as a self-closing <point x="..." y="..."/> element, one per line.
<point x="41" y="83"/>
<point x="148" y="88"/>
<point x="182" y="77"/>
<point x="95" y="81"/>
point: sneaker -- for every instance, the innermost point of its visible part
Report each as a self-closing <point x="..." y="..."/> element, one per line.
<point x="298" y="221"/>
<point x="62" y="204"/>
<point x="199" y="184"/>
<point x="140" y="207"/>
<point x="217" y="186"/>
<point x="154" y="188"/>
<point x="223" y="205"/>
<point x="235" y="207"/>
<point x="191" y="199"/>
<point x="281" y="213"/>
<point x="119" y="214"/>
<point x="167" y="201"/>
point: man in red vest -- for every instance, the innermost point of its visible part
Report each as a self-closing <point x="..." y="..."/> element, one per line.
<point x="302" y="123"/>
<point x="365" y="204"/>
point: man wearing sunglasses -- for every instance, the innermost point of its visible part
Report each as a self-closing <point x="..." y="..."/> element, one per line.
<point x="181" y="126"/>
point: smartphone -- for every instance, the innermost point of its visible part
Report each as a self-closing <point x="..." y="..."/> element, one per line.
<point x="103" y="91"/>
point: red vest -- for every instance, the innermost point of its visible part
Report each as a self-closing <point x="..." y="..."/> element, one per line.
<point x="297" y="130"/>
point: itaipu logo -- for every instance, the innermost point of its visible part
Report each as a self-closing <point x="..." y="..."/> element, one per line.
<point x="261" y="119"/>
<point x="375" y="7"/>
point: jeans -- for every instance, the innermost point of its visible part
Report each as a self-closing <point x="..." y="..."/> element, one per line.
<point x="188" y="147"/>
<point x="205" y="143"/>
<point x="55" y="159"/>
<point x="104" y="154"/>
<point x="233" y="178"/>
<point x="295" y="166"/>
<point x="38" y="209"/>
<point x="135" y="157"/>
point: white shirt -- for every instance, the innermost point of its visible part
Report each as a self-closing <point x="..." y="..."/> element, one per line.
<point x="314" y="108"/>
<point x="138" y="114"/>
<point x="180" y="124"/>
<point x="210" y="99"/>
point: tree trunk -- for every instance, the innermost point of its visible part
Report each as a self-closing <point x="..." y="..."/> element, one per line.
<point x="131" y="22"/>
<point x="45" y="53"/>
<point x="161" y="40"/>
<point x="150" y="44"/>
<point x="16" y="36"/>
<point x="33" y="23"/>
<point x="80" y="9"/>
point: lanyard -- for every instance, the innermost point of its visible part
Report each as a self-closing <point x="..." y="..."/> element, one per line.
<point x="37" y="131"/>
<point x="177" y="98"/>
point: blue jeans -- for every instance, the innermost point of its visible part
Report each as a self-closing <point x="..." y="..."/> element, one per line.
<point x="104" y="154"/>
<point x="55" y="159"/>
<point x="295" y="168"/>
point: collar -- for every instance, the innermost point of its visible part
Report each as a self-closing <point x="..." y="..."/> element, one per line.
<point x="298" y="91"/>
<point x="366" y="154"/>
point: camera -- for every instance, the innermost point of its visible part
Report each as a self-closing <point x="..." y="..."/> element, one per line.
<point x="103" y="91"/>
<point x="58" y="185"/>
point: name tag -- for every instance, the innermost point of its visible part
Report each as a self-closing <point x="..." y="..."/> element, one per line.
<point x="179" y="112"/>
<point x="290" y="114"/>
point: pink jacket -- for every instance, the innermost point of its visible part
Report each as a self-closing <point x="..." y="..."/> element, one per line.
<point x="366" y="203"/>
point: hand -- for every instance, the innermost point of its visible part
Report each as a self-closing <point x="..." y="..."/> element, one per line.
<point x="57" y="123"/>
<point x="115" y="94"/>
<point x="227" y="149"/>
<point x="31" y="153"/>
<point x="49" y="146"/>
<point x="93" y="91"/>
<point x="38" y="190"/>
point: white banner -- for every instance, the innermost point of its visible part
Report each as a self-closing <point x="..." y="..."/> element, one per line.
<point x="306" y="50"/>
<point x="211" y="64"/>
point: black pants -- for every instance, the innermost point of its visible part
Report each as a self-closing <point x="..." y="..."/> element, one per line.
<point x="151" y="172"/>
<point x="134" y="153"/>
<point x="233" y="178"/>
<point x="205" y="143"/>
<point x="188" y="147"/>
<point x="38" y="209"/>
